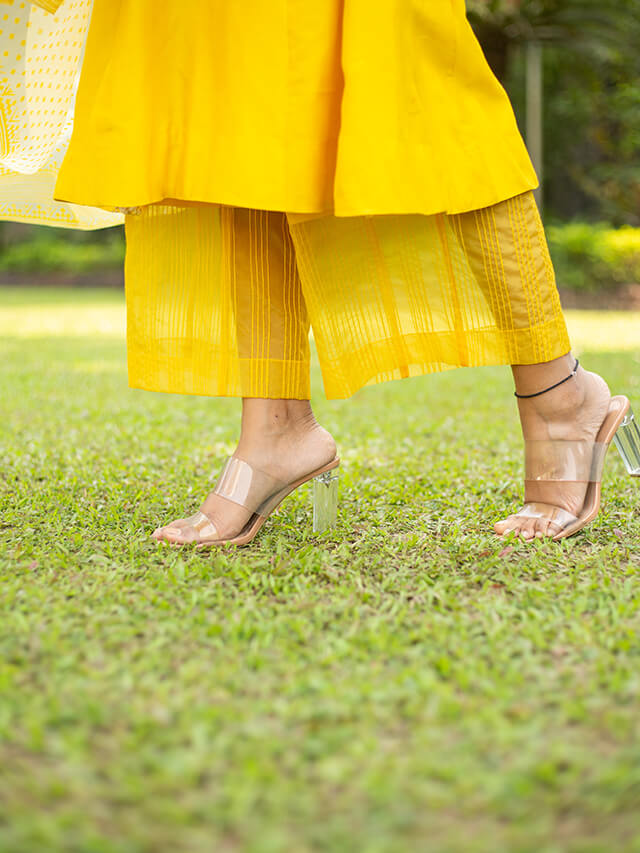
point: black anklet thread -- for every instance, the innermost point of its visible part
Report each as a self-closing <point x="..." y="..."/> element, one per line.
<point x="551" y="387"/>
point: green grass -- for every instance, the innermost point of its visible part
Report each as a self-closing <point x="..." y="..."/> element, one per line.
<point x="405" y="682"/>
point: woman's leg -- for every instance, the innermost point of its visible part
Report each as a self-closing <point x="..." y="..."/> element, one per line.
<point x="281" y="438"/>
<point x="279" y="433"/>
<point x="573" y="411"/>
<point x="506" y="248"/>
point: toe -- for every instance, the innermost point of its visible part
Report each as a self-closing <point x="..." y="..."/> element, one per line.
<point x="180" y="535"/>
<point x="174" y="527"/>
<point x="512" y="524"/>
<point x="522" y="527"/>
<point x="545" y="528"/>
<point x="170" y="533"/>
<point x="527" y="529"/>
<point x="506" y="525"/>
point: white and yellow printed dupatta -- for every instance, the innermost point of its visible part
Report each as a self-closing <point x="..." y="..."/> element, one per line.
<point x="41" y="48"/>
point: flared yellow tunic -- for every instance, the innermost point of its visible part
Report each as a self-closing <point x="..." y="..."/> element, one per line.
<point x="344" y="106"/>
<point x="354" y="166"/>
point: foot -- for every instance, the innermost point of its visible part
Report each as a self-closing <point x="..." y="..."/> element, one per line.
<point x="293" y="449"/>
<point x="574" y="411"/>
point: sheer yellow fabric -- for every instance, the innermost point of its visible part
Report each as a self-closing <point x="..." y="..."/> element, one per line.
<point x="219" y="299"/>
<point x="40" y="57"/>
<point x="214" y="303"/>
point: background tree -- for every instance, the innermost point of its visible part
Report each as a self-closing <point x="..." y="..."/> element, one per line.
<point x="591" y="95"/>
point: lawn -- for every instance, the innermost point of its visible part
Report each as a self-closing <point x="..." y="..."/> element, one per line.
<point x="404" y="682"/>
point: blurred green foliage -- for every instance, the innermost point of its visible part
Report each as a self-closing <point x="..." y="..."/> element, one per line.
<point x="57" y="253"/>
<point x="592" y="96"/>
<point x="594" y="257"/>
<point x="586" y="256"/>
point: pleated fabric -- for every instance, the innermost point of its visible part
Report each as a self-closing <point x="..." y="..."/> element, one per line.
<point x="220" y="299"/>
<point x="215" y="303"/>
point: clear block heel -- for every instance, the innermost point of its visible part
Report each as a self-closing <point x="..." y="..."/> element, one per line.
<point x="325" y="500"/>
<point x="627" y="440"/>
<point x="261" y="494"/>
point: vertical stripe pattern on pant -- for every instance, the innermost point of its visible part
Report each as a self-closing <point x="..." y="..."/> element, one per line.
<point x="220" y="298"/>
<point x="214" y="303"/>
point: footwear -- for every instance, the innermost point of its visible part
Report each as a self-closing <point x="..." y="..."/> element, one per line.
<point x="580" y="461"/>
<point x="241" y="483"/>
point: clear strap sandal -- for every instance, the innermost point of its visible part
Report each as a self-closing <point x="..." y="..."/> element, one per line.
<point x="247" y="486"/>
<point x="580" y="462"/>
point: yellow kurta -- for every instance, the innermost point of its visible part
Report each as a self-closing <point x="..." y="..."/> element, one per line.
<point x="344" y="106"/>
<point x="353" y="165"/>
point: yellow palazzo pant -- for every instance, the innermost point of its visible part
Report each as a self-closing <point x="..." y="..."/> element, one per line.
<point x="220" y="298"/>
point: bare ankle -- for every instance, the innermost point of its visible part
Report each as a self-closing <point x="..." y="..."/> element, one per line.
<point x="564" y="400"/>
<point x="572" y="411"/>
<point x="532" y="379"/>
<point x="273" y="418"/>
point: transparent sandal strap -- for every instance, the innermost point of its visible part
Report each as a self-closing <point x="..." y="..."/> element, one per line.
<point x="247" y="486"/>
<point x="553" y="514"/>
<point x="568" y="461"/>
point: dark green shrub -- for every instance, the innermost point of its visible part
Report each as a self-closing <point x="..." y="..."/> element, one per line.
<point x="594" y="257"/>
<point x="56" y="254"/>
